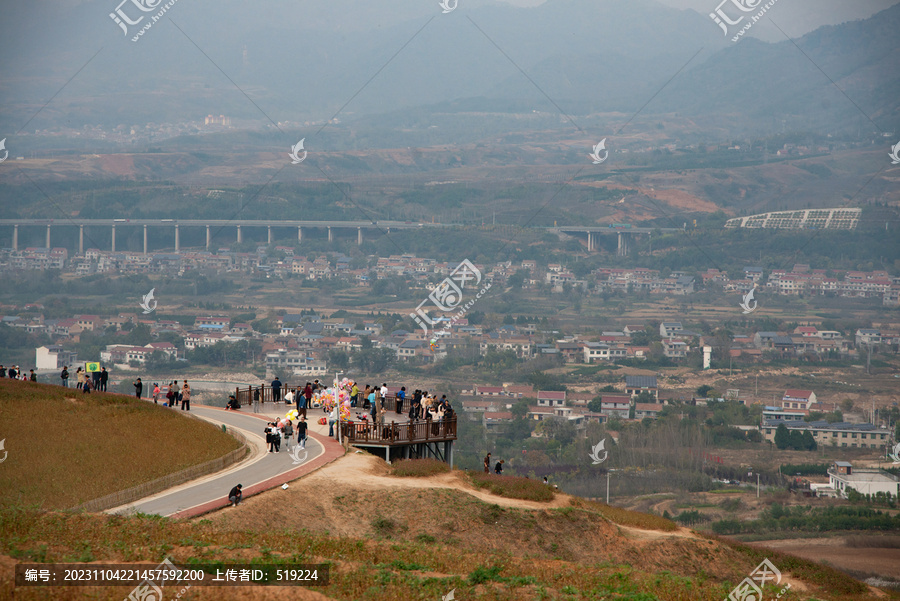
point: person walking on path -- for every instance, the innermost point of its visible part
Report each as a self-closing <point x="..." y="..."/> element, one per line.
<point x="156" y="392"/>
<point x="256" y="399"/>
<point x="138" y="388"/>
<point x="288" y="435"/>
<point x="64" y="375"/>
<point x="487" y="464"/>
<point x="104" y="378"/>
<point x="301" y="432"/>
<point x="79" y="379"/>
<point x="276" y="390"/>
<point x="235" y="496"/>
<point x="498" y="469"/>
<point x="186" y="397"/>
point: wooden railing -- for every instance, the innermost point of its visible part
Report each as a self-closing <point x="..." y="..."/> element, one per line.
<point x="405" y="433"/>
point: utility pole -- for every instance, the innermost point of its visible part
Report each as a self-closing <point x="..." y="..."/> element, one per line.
<point x="607" y="486"/>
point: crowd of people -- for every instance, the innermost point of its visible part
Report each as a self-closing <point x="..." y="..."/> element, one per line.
<point x="17" y="374"/>
<point x="284" y="430"/>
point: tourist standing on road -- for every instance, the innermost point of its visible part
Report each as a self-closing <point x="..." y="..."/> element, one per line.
<point x="235" y="496"/>
<point x="305" y="400"/>
<point x="79" y="379"/>
<point x="375" y="400"/>
<point x="400" y="398"/>
<point x="185" y="397"/>
<point x="301" y="432"/>
<point x="270" y="436"/>
<point x="256" y="399"/>
<point x="426" y="403"/>
<point x="276" y="390"/>
<point x="332" y="418"/>
<point x="104" y="378"/>
<point x="487" y="464"/>
<point x="64" y="375"/>
<point x="156" y="392"/>
<point x="170" y="394"/>
<point x="354" y="395"/>
<point x="382" y="410"/>
<point x="95" y="380"/>
<point x="288" y="435"/>
<point x="138" y="388"/>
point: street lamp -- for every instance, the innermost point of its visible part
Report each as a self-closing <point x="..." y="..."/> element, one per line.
<point x="607" y="483"/>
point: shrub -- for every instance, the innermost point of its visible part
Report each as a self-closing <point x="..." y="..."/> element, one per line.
<point x="418" y="468"/>
<point x="513" y="486"/>
<point x="626" y="517"/>
<point x="383" y="526"/>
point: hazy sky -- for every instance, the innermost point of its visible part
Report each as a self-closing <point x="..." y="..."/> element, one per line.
<point x="795" y="17"/>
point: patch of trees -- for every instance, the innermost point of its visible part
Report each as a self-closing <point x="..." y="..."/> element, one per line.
<point x="808" y="519"/>
<point x="794" y="439"/>
<point x="804" y="469"/>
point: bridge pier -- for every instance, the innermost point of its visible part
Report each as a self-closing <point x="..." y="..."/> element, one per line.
<point x="359" y="238"/>
<point x="622" y="250"/>
<point x="145" y="239"/>
<point x="239" y="237"/>
<point x="80" y="239"/>
<point x="15" y="237"/>
<point x="208" y="238"/>
<point x="177" y="239"/>
<point x="269" y="228"/>
<point x="590" y="241"/>
<point x="330" y="236"/>
<point x="299" y="234"/>
<point x="113" y="238"/>
<point x="48" y="236"/>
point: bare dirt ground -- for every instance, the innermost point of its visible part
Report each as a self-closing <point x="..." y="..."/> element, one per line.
<point x="357" y="497"/>
<point x="833" y="552"/>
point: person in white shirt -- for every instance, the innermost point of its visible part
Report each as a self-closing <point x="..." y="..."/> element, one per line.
<point x="332" y="418"/>
<point x="384" y="390"/>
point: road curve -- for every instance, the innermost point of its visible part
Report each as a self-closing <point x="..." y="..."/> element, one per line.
<point x="259" y="472"/>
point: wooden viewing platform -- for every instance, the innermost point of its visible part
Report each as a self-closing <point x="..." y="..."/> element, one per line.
<point x="399" y="437"/>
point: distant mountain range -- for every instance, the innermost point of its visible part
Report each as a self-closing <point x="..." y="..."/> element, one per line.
<point x="364" y="62"/>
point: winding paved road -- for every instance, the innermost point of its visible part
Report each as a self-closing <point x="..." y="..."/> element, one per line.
<point x="260" y="471"/>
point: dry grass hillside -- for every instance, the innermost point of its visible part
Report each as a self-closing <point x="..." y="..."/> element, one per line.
<point x="66" y="447"/>
<point x="389" y="537"/>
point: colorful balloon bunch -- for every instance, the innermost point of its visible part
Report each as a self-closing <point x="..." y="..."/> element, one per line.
<point x="292" y="415"/>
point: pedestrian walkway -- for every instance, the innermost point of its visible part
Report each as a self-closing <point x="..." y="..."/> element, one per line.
<point x="261" y="471"/>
